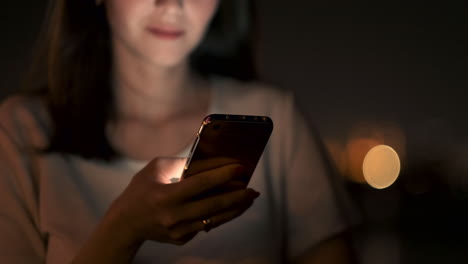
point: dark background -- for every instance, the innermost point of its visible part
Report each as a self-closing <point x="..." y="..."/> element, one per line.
<point x="390" y="72"/>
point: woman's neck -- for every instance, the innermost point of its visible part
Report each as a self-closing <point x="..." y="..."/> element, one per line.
<point x="158" y="109"/>
<point x="147" y="92"/>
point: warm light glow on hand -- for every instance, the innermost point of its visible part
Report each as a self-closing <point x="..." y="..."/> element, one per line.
<point x="381" y="167"/>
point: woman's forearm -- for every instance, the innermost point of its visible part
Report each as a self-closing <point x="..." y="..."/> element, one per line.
<point x="108" y="244"/>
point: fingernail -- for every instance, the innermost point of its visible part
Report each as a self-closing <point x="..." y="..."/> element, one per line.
<point x="254" y="194"/>
<point x="257" y="194"/>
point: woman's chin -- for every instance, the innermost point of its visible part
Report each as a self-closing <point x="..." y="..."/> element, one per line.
<point x="167" y="59"/>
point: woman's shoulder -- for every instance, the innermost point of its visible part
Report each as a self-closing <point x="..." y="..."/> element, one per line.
<point x="24" y="119"/>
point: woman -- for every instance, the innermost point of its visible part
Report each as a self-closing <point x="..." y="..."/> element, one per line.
<point x="120" y="85"/>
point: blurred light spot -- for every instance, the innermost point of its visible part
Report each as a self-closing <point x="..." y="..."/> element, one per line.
<point x="381" y="167"/>
<point x="356" y="151"/>
<point x="348" y="148"/>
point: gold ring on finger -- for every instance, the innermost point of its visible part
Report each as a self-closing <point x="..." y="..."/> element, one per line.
<point x="207" y="224"/>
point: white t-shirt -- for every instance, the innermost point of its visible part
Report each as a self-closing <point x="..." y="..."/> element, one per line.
<point x="49" y="204"/>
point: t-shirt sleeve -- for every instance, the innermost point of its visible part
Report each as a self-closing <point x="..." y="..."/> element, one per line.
<point x="316" y="206"/>
<point x="20" y="239"/>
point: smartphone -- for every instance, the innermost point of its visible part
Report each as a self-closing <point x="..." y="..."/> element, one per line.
<point x="233" y="138"/>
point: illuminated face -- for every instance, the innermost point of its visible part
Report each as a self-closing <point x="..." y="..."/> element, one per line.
<point x="163" y="32"/>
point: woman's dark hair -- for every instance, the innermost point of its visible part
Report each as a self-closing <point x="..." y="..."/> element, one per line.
<point x="72" y="68"/>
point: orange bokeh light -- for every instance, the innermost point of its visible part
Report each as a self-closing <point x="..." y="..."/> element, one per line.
<point x="349" y="155"/>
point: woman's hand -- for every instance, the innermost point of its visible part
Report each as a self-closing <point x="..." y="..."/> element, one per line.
<point x="150" y="209"/>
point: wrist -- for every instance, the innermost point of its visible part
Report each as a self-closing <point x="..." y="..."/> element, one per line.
<point x="111" y="242"/>
<point x="117" y="227"/>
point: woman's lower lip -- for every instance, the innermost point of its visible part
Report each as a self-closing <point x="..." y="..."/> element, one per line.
<point x="165" y="34"/>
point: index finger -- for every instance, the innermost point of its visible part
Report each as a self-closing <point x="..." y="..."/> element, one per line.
<point x="197" y="166"/>
<point x="206" y="180"/>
